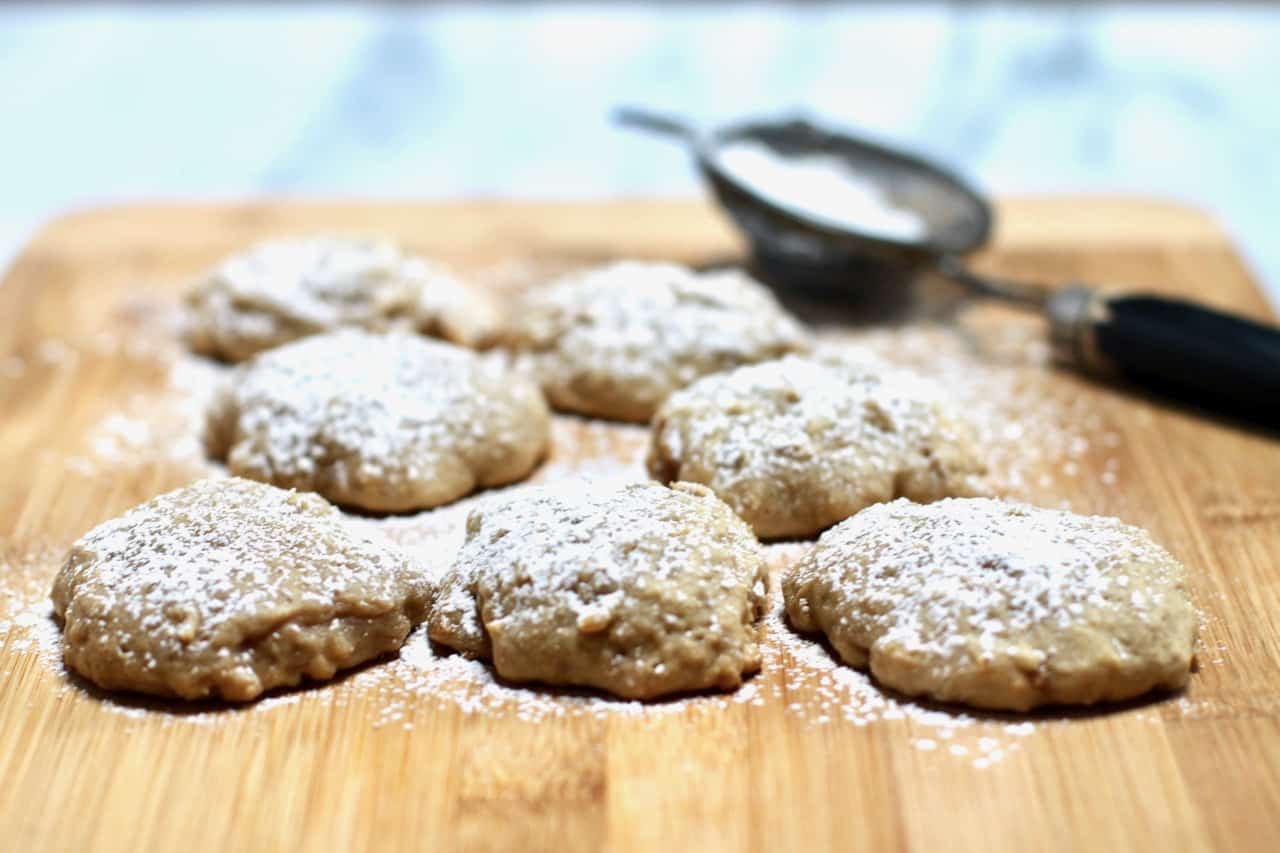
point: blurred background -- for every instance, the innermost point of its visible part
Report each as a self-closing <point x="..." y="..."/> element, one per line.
<point x="103" y="102"/>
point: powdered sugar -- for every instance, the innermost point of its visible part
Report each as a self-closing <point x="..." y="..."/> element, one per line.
<point x="220" y="545"/>
<point x="282" y="290"/>
<point x="798" y="673"/>
<point x="644" y="591"/>
<point x="177" y="594"/>
<point x="1034" y="426"/>
<point x="757" y="417"/>
<point x="606" y="457"/>
<point x="797" y="444"/>
<point x="386" y="422"/>
<point x="1031" y="426"/>
<point x="821" y="187"/>
<point x="632" y="332"/>
<point x="349" y="394"/>
<point x="431" y="676"/>
<point x="986" y="601"/>
<point x="26" y="616"/>
<point x="160" y="416"/>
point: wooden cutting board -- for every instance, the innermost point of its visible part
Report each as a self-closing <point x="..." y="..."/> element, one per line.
<point x="409" y="754"/>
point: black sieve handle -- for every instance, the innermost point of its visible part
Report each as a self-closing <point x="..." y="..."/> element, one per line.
<point x="1203" y="357"/>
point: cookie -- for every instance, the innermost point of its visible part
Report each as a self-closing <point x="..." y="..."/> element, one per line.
<point x="279" y="291"/>
<point x="614" y="341"/>
<point x="797" y="444"/>
<point x="997" y="605"/>
<point x="228" y="588"/>
<point x="381" y="422"/>
<point x="641" y="592"/>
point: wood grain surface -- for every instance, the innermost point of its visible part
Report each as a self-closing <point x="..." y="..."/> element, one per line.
<point x="812" y="759"/>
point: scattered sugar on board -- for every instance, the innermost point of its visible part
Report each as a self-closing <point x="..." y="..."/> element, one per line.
<point x="1036" y="427"/>
<point x="166" y="424"/>
<point x="160" y="415"/>
<point x="797" y="671"/>
<point x="608" y="455"/>
<point x="814" y="688"/>
<point x="26" y="614"/>
<point x="1036" y="431"/>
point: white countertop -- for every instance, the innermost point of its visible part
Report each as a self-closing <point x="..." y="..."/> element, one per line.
<point x="100" y="102"/>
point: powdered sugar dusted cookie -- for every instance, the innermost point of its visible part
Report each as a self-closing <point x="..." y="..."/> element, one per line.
<point x="229" y="588"/>
<point x="387" y="423"/>
<point x="283" y="290"/>
<point x="997" y="605"/>
<point x="797" y="444"/>
<point x="616" y="340"/>
<point x="641" y="592"/>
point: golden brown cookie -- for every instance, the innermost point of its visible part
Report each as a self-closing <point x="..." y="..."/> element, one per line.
<point x="615" y="341"/>
<point x="797" y="444"/>
<point x="387" y="423"/>
<point x="640" y="592"/>
<point x="228" y="588"/>
<point x="997" y="605"/>
<point x="279" y="291"/>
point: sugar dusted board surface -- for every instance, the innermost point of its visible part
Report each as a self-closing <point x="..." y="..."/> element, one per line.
<point x="428" y="751"/>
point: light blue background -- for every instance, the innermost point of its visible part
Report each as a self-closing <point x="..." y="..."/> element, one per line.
<point x="101" y="102"/>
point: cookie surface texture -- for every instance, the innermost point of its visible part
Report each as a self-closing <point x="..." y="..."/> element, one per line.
<point x="279" y="291"/>
<point x="381" y="422"/>
<point x="997" y="605"/>
<point x="798" y="444"/>
<point x="641" y="592"/>
<point x="228" y="588"/>
<point x="614" y="341"/>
